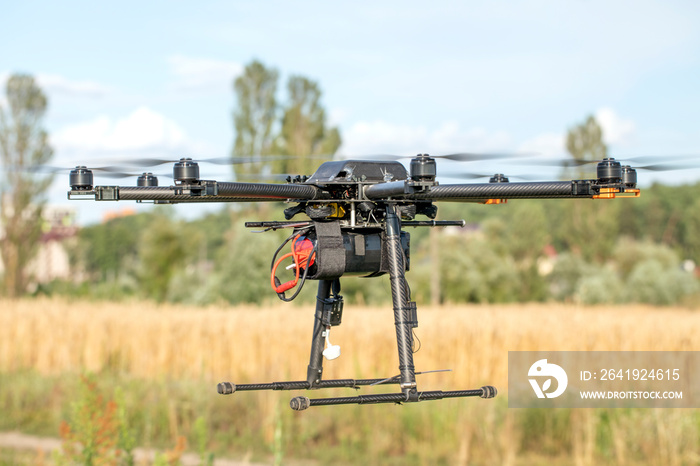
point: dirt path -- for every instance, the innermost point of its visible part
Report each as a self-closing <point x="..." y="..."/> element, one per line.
<point x="19" y="441"/>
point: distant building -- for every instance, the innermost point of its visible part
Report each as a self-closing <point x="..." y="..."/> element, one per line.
<point x="546" y="262"/>
<point x="52" y="261"/>
<point x="112" y="214"/>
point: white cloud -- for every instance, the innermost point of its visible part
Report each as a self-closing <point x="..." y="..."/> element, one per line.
<point x="203" y="73"/>
<point x="379" y="136"/>
<point x="53" y="83"/>
<point x="615" y="129"/>
<point x="56" y="84"/>
<point x="142" y="130"/>
<point x="546" y="145"/>
<point x="336" y="116"/>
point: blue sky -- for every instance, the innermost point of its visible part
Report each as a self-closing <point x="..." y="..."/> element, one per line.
<point x="132" y="79"/>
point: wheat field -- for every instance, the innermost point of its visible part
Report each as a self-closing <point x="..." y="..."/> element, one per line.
<point x="251" y="344"/>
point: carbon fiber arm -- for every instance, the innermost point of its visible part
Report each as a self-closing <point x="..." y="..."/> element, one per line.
<point x="204" y="192"/>
<point x="466" y="192"/>
<point x="267" y="190"/>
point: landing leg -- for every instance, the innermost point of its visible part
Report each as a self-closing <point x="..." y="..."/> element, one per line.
<point x="315" y="368"/>
<point x="402" y="306"/>
<point x="404" y="320"/>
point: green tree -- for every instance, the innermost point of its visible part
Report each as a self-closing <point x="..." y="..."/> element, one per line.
<point x="162" y="251"/>
<point x="24" y="148"/>
<point x="600" y="286"/>
<point x="585" y="143"/>
<point x="525" y="242"/>
<point x="473" y="270"/>
<point x="244" y="265"/>
<point x="110" y="250"/>
<point x="588" y="227"/>
<point x="304" y="130"/>
<point x="692" y="232"/>
<point x="651" y="282"/>
<point x="255" y="115"/>
<point x="264" y="130"/>
<point x="569" y="270"/>
<point x="628" y="253"/>
<point x="527" y="234"/>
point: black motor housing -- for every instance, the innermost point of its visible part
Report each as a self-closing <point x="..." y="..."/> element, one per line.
<point x="365" y="254"/>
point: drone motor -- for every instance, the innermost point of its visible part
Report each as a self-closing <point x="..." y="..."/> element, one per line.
<point x="629" y="176"/>
<point x="609" y="170"/>
<point x="186" y="170"/>
<point x="147" y="179"/>
<point x="423" y="168"/>
<point x="80" y="178"/>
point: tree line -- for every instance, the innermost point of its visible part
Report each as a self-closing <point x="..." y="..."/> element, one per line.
<point x="24" y="149"/>
<point x="281" y="138"/>
<point x="589" y="251"/>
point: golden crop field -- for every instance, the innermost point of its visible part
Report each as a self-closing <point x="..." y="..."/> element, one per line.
<point x="245" y="344"/>
<point x="252" y="344"/>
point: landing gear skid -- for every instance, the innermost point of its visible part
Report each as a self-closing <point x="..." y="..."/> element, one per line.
<point x="405" y="319"/>
<point x="300" y="403"/>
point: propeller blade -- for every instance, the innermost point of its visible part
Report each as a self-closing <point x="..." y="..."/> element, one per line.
<point x="663" y="167"/>
<point x="476" y="157"/>
<point x="529" y="177"/>
<point x="657" y="158"/>
<point x="469" y="176"/>
<point x="658" y="167"/>
<point x="378" y="157"/>
<point x="155" y="161"/>
<point x="472" y="176"/>
<point x="118" y="175"/>
<point x="654" y="162"/>
<point x="244" y="159"/>
<point x="148" y="162"/>
<point x="458" y="157"/>
<point x="266" y="177"/>
<point x="563" y="163"/>
<point x="48" y="169"/>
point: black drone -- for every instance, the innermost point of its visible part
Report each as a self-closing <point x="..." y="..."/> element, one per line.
<point x="354" y="212"/>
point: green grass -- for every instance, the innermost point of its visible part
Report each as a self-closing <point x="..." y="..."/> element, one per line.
<point x="10" y="457"/>
<point x="261" y="427"/>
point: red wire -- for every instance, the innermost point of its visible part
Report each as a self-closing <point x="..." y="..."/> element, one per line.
<point x="292" y="283"/>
